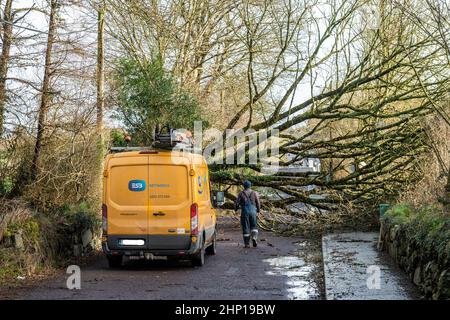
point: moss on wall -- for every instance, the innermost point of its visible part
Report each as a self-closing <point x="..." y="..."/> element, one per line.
<point x="419" y="240"/>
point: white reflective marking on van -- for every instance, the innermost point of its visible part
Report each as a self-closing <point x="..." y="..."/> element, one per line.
<point x="181" y="230"/>
<point x="131" y="242"/>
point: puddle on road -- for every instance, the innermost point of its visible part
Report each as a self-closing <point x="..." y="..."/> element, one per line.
<point x="300" y="280"/>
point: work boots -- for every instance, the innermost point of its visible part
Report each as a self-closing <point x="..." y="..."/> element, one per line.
<point x="246" y="241"/>
<point x="254" y="238"/>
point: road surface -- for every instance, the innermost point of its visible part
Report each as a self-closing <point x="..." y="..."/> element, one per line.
<point x="356" y="270"/>
<point x="276" y="269"/>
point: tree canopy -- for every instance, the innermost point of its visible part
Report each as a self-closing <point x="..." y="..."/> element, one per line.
<point x="148" y="96"/>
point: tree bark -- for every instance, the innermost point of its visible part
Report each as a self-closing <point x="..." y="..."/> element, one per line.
<point x="7" y="29"/>
<point x="100" y="79"/>
<point x="46" y="96"/>
<point x="100" y="68"/>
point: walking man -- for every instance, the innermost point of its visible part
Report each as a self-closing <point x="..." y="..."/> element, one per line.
<point x="248" y="202"/>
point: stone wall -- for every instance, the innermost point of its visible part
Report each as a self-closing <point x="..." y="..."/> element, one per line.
<point x="428" y="270"/>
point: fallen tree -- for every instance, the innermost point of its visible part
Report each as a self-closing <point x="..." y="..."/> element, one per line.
<point x="354" y="89"/>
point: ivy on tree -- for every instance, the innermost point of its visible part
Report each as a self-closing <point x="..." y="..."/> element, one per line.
<point x="149" y="97"/>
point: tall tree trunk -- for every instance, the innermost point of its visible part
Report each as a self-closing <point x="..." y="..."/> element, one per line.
<point x="46" y="96"/>
<point x="7" y="29"/>
<point x="447" y="191"/>
<point x="100" y="67"/>
<point x="100" y="92"/>
<point x="1" y="25"/>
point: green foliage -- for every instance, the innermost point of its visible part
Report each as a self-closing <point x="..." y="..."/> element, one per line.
<point x="117" y="138"/>
<point x="6" y="186"/>
<point x="428" y="226"/>
<point x="431" y="227"/>
<point x="400" y="213"/>
<point x="148" y="96"/>
<point x="221" y="175"/>
<point x="80" y="217"/>
<point x="238" y="175"/>
<point x="48" y="239"/>
<point x="6" y="181"/>
<point x="10" y="267"/>
<point x="29" y="229"/>
<point x="16" y="262"/>
<point x="32" y="231"/>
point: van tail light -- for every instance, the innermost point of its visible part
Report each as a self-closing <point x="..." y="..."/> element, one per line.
<point x="104" y="219"/>
<point x="194" y="219"/>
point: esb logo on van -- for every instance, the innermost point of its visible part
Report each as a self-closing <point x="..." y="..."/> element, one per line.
<point x="136" y="185"/>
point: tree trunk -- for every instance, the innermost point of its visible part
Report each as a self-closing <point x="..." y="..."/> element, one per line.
<point x="1" y="25"/>
<point x="46" y="88"/>
<point x="7" y="29"/>
<point x="100" y="79"/>
<point x="100" y="68"/>
<point x="447" y="191"/>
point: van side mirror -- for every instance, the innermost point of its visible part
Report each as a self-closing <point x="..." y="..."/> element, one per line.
<point x="218" y="198"/>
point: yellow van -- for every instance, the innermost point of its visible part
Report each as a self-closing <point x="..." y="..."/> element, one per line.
<point x="157" y="205"/>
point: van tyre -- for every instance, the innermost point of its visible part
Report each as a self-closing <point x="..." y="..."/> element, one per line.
<point x="198" y="259"/>
<point x="211" y="250"/>
<point x="114" y="261"/>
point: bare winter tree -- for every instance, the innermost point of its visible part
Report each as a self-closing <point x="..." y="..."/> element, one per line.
<point x="434" y="21"/>
<point x="46" y="94"/>
<point x="348" y="83"/>
<point x="338" y="84"/>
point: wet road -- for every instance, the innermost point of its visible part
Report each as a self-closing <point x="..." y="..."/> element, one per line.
<point x="356" y="270"/>
<point x="276" y="269"/>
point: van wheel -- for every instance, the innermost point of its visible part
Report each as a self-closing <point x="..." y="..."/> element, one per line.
<point x="198" y="259"/>
<point x="211" y="250"/>
<point x="114" y="261"/>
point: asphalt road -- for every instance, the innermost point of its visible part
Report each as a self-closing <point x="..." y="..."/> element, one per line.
<point x="276" y="269"/>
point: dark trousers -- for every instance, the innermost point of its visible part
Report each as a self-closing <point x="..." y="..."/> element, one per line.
<point x="248" y="224"/>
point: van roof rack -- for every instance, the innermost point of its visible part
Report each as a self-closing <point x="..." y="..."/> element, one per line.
<point x="152" y="150"/>
<point x="125" y="149"/>
<point x="169" y="138"/>
<point x="166" y="139"/>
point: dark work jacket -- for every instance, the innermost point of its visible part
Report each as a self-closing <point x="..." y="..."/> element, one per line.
<point x="252" y="195"/>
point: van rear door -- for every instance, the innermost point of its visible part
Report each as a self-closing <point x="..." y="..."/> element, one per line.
<point x="169" y="204"/>
<point x="127" y="196"/>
